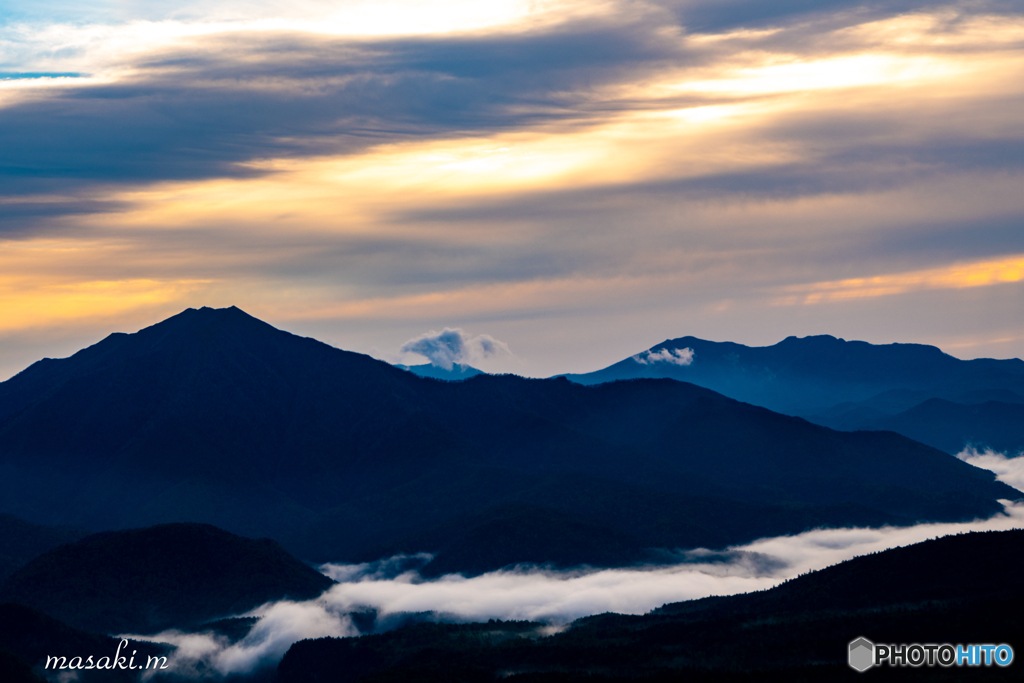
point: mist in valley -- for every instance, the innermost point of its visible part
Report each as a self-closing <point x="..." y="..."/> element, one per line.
<point x="378" y="596"/>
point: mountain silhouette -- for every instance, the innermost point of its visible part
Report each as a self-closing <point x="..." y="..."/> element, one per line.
<point x="28" y="637"/>
<point x="171" y="575"/>
<point x="850" y="385"/>
<point x="214" y="416"/>
<point x="21" y="541"/>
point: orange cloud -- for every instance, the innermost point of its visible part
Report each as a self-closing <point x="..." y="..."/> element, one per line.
<point x="28" y="304"/>
<point x="957" y="276"/>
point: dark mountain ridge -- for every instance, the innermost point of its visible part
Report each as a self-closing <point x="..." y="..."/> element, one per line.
<point x="214" y="416"/>
<point x="21" y="541"/>
<point x="171" y="575"/>
<point x="31" y="636"/>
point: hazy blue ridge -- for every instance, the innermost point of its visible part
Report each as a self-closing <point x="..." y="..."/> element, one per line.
<point x="849" y="385"/>
<point x="458" y="371"/>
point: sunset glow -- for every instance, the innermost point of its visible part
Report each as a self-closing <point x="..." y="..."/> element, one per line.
<point x="539" y="169"/>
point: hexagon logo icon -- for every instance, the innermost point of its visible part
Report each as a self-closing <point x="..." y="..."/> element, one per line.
<point x="862" y="654"/>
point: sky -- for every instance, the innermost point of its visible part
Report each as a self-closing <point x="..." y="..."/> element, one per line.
<point x="572" y="181"/>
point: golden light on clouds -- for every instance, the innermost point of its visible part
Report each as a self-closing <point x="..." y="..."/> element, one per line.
<point x="956" y="276"/>
<point x="539" y="296"/>
<point x="506" y="159"/>
<point x="48" y="282"/>
<point x="830" y="73"/>
<point x="355" y="193"/>
<point x="28" y="304"/>
<point x="938" y="29"/>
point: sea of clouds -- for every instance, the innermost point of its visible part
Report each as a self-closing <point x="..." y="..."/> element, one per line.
<point x="394" y="590"/>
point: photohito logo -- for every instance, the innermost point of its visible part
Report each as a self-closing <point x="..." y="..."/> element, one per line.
<point x="863" y="654"/>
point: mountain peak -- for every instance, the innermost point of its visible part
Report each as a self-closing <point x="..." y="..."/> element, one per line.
<point x="808" y="375"/>
<point x="205" y="316"/>
<point x="813" y="339"/>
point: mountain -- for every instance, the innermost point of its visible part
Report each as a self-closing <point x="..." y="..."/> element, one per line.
<point x="147" y="580"/>
<point x="214" y="416"/>
<point x="14" y="669"/>
<point x="850" y="385"/>
<point x="458" y="371"/>
<point x="959" y="589"/>
<point x="28" y="637"/>
<point x="605" y="525"/>
<point x="20" y="541"/>
<point x="950" y="426"/>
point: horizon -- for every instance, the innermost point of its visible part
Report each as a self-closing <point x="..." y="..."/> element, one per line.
<point x="410" y="359"/>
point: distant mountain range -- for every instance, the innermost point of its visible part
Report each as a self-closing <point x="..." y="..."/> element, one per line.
<point x="912" y="389"/>
<point x="959" y="589"/>
<point x="214" y="416"/>
<point x="458" y="371"/>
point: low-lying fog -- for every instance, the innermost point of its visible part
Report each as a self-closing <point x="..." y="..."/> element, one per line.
<point x="394" y="590"/>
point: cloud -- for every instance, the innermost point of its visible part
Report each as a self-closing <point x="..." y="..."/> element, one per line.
<point x="537" y="594"/>
<point x="281" y="624"/>
<point x="671" y="356"/>
<point x="561" y="596"/>
<point x="207" y="99"/>
<point x="207" y="106"/>
<point x="960" y="276"/>
<point x="1008" y="469"/>
<point x="394" y="592"/>
<point x="720" y="15"/>
<point x="23" y="218"/>
<point x="451" y="346"/>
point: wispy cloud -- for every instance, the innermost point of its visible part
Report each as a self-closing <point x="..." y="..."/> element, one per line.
<point x="450" y="346"/>
<point x="956" y="276"/>
<point x="198" y="655"/>
<point x="1009" y="468"/>
<point x="670" y="356"/>
<point x="552" y="597"/>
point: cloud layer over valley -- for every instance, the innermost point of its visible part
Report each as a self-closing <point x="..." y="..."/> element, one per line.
<point x="394" y="591"/>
